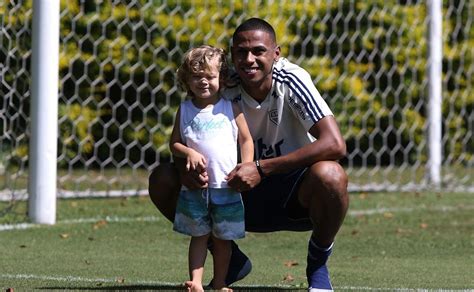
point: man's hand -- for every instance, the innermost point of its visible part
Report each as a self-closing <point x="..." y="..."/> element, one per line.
<point x="194" y="180"/>
<point x="243" y="177"/>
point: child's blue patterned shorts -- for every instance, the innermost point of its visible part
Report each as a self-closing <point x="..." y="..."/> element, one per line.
<point x="219" y="211"/>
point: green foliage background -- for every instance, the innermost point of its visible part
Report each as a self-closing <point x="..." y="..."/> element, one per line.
<point x="368" y="59"/>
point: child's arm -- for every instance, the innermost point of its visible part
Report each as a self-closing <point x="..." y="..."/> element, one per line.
<point x="244" y="138"/>
<point x="194" y="159"/>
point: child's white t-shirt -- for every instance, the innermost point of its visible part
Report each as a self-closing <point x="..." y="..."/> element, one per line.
<point x="213" y="133"/>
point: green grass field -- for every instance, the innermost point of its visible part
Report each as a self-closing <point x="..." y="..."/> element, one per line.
<point x="389" y="241"/>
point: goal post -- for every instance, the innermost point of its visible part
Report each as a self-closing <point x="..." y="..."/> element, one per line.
<point x="44" y="112"/>
<point x="89" y="91"/>
<point x="435" y="71"/>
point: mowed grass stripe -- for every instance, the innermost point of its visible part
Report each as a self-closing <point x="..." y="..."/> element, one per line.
<point x="115" y="219"/>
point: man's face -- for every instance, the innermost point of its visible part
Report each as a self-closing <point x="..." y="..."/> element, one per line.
<point x="253" y="54"/>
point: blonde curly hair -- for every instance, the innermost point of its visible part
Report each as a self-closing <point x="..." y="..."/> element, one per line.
<point x="199" y="60"/>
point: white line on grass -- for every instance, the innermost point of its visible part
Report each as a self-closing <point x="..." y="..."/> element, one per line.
<point x="83" y="279"/>
<point x="120" y="280"/>
<point x="343" y="288"/>
<point x="112" y="219"/>
<point x="408" y="210"/>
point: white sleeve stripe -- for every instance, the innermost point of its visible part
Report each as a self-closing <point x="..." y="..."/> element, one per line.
<point x="302" y="91"/>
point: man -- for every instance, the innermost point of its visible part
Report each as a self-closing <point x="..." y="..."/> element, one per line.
<point x="295" y="182"/>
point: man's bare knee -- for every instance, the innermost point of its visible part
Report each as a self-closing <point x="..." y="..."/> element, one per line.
<point x="326" y="178"/>
<point x="163" y="180"/>
<point x="331" y="176"/>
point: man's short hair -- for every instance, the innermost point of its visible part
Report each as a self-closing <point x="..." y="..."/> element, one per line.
<point x="255" y="24"/>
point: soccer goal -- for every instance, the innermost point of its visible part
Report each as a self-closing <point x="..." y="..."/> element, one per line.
<point x="397" y="75"/>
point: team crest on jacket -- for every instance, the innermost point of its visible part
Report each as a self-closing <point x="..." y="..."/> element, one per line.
<point x="273" y="116"/>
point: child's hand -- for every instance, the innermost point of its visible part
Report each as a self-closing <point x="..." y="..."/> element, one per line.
<point x="195" y="161"/>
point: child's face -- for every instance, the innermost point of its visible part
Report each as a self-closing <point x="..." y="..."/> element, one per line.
<point x="205" y="84"/>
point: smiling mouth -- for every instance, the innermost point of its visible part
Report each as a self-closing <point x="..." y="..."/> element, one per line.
<point x="250" y="70"/>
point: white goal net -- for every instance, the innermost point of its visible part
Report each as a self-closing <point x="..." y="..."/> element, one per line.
<point x="118" y="94"/>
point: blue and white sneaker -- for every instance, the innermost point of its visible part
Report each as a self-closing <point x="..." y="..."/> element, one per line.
<point x="316" y="269"/>
<point x="239" y="266"/>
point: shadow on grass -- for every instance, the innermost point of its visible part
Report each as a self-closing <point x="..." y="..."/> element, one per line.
<point x="165" y="288"/>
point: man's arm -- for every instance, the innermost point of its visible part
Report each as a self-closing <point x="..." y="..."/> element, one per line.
<point x="330" y="145"/>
